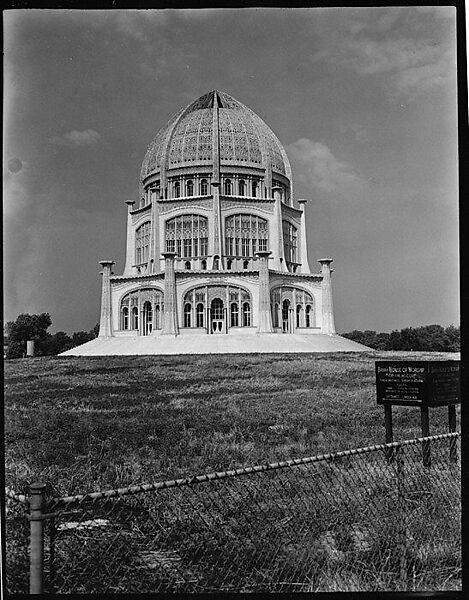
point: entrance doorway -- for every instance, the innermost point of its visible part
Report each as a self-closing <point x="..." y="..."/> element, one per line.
<point x="286" y="316"/>
<point x="147" y="318"/>
<point x="217" y="316"/>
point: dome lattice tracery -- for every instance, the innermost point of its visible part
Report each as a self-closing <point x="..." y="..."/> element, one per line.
<point x="188" y="138"/>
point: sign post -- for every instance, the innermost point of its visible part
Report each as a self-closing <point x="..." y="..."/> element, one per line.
<point x="419" y="383"/>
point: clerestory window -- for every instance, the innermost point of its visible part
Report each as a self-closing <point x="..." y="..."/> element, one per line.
<point x="245" y="235"/>
<point x="142" y="243"/>
<point x="187" y="235"/>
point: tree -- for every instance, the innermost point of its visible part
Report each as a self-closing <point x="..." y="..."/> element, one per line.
<point x="27" y="327"/>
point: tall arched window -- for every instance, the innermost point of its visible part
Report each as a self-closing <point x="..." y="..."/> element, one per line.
<point x="203" y="265"/>
<point x="187" y="314"/>
<point x="187" y="265"/>
<point x="254" y="189"/>
<point x="177" y="189"/>
<point x="234" y="314"/>
<point x="187" y="235"/>
<point x="290" y="242"/>
<point x="242" y="187"/>
<point x="298" y="315"/>
<point x="147" y="318"/>
<point x="204" y="187"/>
<point x="142" y="243"/>
<point x="246" y="314"/>
<point x="276" y="308"/>
<point x="200" y="314"/>
<point x="190" y="188"/>
<point x="135" y="317"/>
<point x="157" y="317"/>
<point x="228" y="187"/>
<point x="309" y="314"/>
<point x="245" y="235"/>
<point x="125" y="317"/>
<point x="216" y="263"/>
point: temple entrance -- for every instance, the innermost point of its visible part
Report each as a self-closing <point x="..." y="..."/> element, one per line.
<point x="286" y="316"/>
<point x="217" y="316"/>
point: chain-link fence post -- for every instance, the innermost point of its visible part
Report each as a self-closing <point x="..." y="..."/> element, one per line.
<point x="402" y="518"/>
<point x="36" y="547"/>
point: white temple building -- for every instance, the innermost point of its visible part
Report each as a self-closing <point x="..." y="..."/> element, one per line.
<point x="216" y="254"/>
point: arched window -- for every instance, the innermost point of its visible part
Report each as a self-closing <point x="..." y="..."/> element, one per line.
<point x="187" y="314"/>
<point x="309" y="310"/>
<point x="147" y="318"/>
<point x="203" y="265"/>
<point x="187" y="235"/>
<point x="157" y="317"/>
<point x="228" y="187"/>
<point x="254" y="189"/>
<point x="142" y="243"/>
<point x="200" y="314"/>
<point x="245" y="234"/>
<point x="125" y="317"/>
<point x="298" y="315"/>
<point x="290" y="242"/>
<point x="187" y="265"/>
<point x="190" y="188"/>
<point x="275" y="319"/>
<point x="216" y="263"/>
<point x="204" y="187"/>
<point x="246" y="314"/>
<point x="242" y="187"/>
<point x="245" y="264"/>
<point x="135" y="317"/>
<point x="229" y="264"/>
<point x="177" y="189"/>
<point x="234" y="314"/>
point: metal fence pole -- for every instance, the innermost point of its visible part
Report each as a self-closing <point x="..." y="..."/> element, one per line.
<point x="402" y="519"/>
<point x="453" y="453"/>
<point x="36" y="548"/>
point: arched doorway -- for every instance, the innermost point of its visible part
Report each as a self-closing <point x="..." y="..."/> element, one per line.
<point x="217" y="316"/>
<point x="286" y="316"/>
<point x="147" y="318"/>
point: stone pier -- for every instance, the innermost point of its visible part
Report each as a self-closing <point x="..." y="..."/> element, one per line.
<point x="105" y="321"/>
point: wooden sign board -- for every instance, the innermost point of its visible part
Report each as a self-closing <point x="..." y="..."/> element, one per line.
<point x="418" y="382"/>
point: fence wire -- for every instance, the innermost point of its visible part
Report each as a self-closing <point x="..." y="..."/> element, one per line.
<point x="370" y="519"/>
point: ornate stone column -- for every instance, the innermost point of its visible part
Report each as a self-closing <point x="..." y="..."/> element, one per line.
<point x="264" y="317"/>
<point x="303" y="247"/>
<point x="170" y="317"/>
<point x="105" y="321"/>
<point x="327" y="307"/>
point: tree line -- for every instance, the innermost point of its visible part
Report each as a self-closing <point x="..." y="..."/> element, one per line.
<point x="34" y="328"/>
<point x="429" y="338"/>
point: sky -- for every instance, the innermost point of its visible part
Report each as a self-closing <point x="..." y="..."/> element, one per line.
<point x="363" y="100"/>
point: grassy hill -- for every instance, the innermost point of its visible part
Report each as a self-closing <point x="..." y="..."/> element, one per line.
<point x="84" y="424"/>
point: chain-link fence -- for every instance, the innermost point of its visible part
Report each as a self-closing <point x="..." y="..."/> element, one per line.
<point x="376" y="518"/>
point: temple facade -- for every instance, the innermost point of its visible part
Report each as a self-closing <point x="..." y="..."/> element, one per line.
<point x="216" y="241"/>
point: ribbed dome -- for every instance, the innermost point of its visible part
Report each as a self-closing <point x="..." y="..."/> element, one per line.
<point x="188" y="138"/>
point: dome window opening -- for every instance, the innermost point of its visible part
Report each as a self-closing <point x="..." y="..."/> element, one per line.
<point x="229" y="264"/>
<point x="254" y="189"/>
<point x="203" y="265"/>
<point x="246" y="264"/>
<point x="190" y="188"/>
<point x="216" y="263"/>
<point x="187" y="265"/>
<point x="204" y="187"/>
<point x="177" y="189"/>
<point x="228" y="187"/>
<point x="242" y="187"/>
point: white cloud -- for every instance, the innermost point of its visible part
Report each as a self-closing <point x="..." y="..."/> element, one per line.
<point x="412" y="52"/>
<point x="320" y="170"/>
<point x="88" y="137"/>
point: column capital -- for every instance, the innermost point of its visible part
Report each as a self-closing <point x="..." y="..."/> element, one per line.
<point x="169" y="255"/>
<point x="325" y="261"/>
<point x="106" y="263"/>
<point x="264" y="253"/>
<point x="215" y="183"/>
<point x="130" y="202"/>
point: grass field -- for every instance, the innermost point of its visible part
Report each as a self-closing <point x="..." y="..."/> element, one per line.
<point x="85" y="424"/>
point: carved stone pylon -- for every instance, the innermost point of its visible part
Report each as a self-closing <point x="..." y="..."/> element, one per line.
<point x="170" y="317"/>
<point x="265" y="316"/>
<point x="327" y="306"/>
<point x="105" y="321"/>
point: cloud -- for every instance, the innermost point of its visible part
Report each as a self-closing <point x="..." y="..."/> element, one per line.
<point x="88" y="137"/>
<point x="411" y="51"/>
<point x="318" y="168"/>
